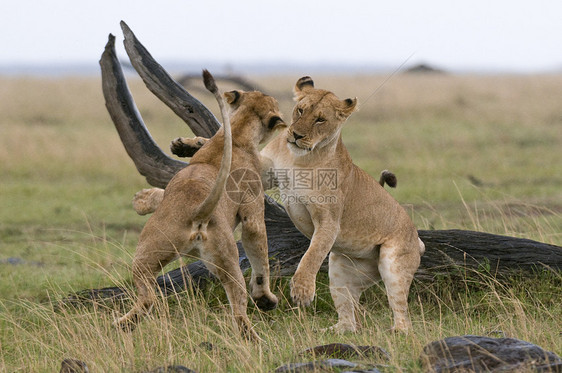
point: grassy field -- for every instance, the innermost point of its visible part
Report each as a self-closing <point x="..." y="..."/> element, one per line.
<point x="470" y="152"/>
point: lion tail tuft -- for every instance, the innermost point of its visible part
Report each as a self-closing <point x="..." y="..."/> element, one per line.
<point x="389" y="178"/>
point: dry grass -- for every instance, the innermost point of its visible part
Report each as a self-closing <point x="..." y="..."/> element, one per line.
<point x="181" y="329"/>
<point x="470" y="152"/>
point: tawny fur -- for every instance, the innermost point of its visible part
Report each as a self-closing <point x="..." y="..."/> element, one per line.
<point x="179" y="226"/>
<point x="367" y="234"/>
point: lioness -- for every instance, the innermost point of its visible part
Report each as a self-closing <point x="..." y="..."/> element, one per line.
<point x="369" y="234"/>
<point x="195" y="216"/>
<point x="342" y="210"/>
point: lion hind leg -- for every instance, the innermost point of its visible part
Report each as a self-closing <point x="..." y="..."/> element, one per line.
<point x="145" y="269"/>
<point x="397" y="267"/>
<point x="348" y="279"/>
<point x="224" y="265"/>
<point x="154" y="252"/>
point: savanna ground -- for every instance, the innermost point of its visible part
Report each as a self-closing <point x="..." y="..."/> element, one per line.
<point x="470" y="152"/>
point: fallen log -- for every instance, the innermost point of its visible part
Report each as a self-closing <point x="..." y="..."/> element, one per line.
<point x="445" y="249"/>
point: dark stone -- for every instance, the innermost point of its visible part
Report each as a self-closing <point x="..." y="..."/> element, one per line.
<point x="171" y="369"/>
<point x="13" y="261"/>
<point x="73" y="366"/>
<point x="314" y="366"/>
<point x="472" y="353"/>
<point x="346" y="351"/>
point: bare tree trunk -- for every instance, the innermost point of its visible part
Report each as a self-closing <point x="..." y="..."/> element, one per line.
<point x="445" y="249"/>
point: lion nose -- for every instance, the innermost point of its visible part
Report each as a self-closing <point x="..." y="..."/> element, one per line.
<point x="297" y="136"/>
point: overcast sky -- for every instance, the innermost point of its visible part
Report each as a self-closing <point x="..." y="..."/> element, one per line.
<point x="511" y="35"/>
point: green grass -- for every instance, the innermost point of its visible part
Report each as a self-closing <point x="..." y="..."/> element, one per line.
<point x="470" y="152"/>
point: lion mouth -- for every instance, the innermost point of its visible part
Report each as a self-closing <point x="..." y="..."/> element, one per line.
<point x="294" y="143"/>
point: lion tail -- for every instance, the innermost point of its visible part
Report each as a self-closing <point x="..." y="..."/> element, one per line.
<point x="389" y="178"/>
<point x="206" y="209"/>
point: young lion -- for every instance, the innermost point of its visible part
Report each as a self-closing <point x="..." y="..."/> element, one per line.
<point x="195" y="216"/>
<point x="368" y="232"/>
<point x="342" y="210"/>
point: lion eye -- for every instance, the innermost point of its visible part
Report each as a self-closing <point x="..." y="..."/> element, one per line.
<point x="320" y="120"/>
<point x="299" y="111"/>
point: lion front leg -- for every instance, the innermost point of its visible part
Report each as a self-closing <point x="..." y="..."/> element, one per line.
<point x="303" y="283"/>
<point x="254" y="241"/>
<point x="187" y="146"/>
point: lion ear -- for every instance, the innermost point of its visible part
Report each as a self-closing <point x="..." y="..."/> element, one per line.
<point x="349" y="105"/>
<point x="303" y="84"/>
<point x="233" y="97"/>
<point x="276" y="122"/>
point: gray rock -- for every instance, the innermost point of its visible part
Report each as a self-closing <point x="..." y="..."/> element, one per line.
<point x="14" y="261"/>
<point x="472" y="353"/>
<point x="171" y="369"/>
<point x="73" y="366"/>
<point x="314" y="366"/>
<point x="372" y="370"/>
<point x="346" y="351"/>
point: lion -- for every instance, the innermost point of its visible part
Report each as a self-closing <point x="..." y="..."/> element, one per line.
<point x="194" y="216"/>
<point x="366" y="233"/>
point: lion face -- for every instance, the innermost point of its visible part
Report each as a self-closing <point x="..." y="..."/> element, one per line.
<point x="317" y="117"/>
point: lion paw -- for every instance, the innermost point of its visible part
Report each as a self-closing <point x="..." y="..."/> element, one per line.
<point x="302" y="291"/>
<point x="186" y="147"/>
<point x="267" y="302"/>
<point x="342" y="327"/>
<point x="147" y="200"/>
<point x="401" y="328"/>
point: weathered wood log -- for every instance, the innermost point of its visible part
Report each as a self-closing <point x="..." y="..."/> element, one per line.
<point x="200" y="119"/>
<point x="150" y="160"/>
<point x="492" y="252"/>
<point x="445" y="249"/>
